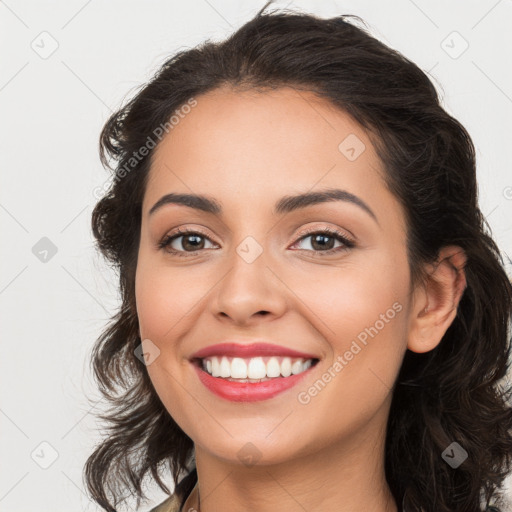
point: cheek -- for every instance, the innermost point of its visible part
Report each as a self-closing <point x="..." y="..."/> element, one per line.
<point x="361" y="311"/>
<point x="351" y="297"/>
<point x="164" y="297"/>
<point x="362" y="315"/>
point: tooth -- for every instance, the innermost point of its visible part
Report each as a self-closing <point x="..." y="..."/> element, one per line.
<point x="215" y="367"/>
<point x="238" y="368"/>
<point x="273" y="368"/>
<point x="254" y="369"/>
<point x="286" y="367"/>
<point x="257" y="368"/>
<point x="225" y="367"/>
<point x="297" y="367"/>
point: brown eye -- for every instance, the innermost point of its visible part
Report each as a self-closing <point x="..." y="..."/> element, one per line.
<point x="184" y="242"/>
<point x="323" y="242"/>
<point x="191" y="242"/>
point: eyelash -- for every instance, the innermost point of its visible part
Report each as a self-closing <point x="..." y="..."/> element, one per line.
<point x="348" y="244"/>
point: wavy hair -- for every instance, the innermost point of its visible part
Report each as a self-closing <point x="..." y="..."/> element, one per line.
<point x="452" y="393"/>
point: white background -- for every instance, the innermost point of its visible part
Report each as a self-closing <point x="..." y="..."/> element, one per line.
<point x="52" y="111"/>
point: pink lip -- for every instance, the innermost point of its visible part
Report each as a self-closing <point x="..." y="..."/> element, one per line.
<point x="249" y="350"/>
<point x="248" y="391"/>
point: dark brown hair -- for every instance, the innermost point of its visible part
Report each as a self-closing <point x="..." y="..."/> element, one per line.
<point x="450" y="394"/>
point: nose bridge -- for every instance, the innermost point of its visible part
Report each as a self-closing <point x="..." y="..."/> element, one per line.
<point x="249" y="287"/>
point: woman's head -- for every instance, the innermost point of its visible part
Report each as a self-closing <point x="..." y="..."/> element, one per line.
<point x="293" y="105"/>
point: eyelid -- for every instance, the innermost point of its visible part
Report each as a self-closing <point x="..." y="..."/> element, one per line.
<point x="180" y="231"/>
<point x="334" y="230"/>
<point x="347" y="241"/>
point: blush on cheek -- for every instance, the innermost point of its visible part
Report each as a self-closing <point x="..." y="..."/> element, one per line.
<point x="158" y="314"/>
<point x="163" y="302"/>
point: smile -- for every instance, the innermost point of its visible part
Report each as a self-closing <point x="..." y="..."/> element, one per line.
<point x="216" y="374"/>
<point x="255" y="369"/>
<point x="249" y="372"/>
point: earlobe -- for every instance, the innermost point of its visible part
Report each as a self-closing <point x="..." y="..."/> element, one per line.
<point x="435" y="303"/>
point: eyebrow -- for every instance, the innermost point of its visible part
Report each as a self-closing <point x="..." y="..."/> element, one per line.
<point x="286" y="204"/>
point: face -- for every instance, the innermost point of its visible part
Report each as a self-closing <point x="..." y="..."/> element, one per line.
<point x="329" y="279"/>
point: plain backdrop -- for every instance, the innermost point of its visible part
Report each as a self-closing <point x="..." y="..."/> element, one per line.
<point x="65" y="67"/>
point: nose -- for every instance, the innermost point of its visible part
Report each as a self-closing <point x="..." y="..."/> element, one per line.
<point x="249" y="290"/>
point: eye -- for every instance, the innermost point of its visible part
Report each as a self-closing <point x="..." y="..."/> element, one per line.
<point x="323" y="241"/>
<point x="192" y="241"/>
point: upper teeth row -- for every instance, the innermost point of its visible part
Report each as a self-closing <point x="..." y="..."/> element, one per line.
<point x="255" y="367"/>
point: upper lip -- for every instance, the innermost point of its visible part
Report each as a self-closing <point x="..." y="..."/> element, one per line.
<point x="247" y="350"/>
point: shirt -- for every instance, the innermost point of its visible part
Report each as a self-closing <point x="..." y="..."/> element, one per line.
<point x="171" y="504"/>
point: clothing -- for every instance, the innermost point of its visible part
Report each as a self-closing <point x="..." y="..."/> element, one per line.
<point x="171" y="504"/>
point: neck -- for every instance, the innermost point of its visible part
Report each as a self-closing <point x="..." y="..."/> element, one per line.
<point x="345" y="476"/>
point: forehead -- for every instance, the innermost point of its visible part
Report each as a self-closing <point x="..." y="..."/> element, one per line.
<point x="261" y="145"/>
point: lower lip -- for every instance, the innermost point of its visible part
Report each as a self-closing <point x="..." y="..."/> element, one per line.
<point x="249" y="391"/>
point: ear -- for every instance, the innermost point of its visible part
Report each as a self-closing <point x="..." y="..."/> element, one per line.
<point x="435" y="303"/>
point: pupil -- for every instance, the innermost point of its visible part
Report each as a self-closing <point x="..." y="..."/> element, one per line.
<point x="324" y="244"/>
<point x="194" y="244"/>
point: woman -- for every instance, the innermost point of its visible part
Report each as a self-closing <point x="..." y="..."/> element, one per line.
<point x="314" y="315"/>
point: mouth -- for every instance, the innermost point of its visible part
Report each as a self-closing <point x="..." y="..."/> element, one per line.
<point x="251" y="372"/>
<point x="248" y="372"/>
<point x="254" y="369"/>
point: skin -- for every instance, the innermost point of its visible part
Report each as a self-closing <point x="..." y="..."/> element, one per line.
<point x="247" y="150"/>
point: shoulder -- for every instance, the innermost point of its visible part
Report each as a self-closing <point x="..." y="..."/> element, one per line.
<point x="171" y="504"/>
